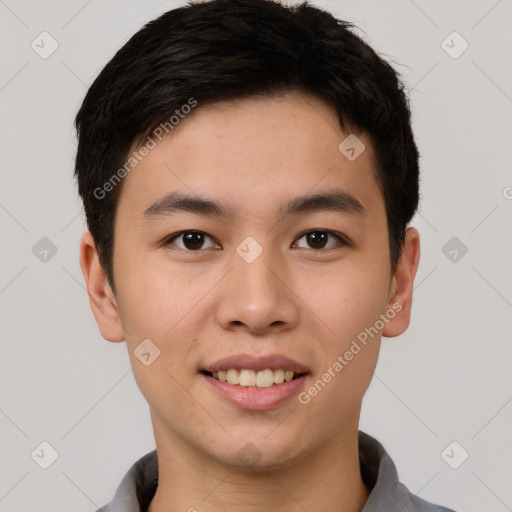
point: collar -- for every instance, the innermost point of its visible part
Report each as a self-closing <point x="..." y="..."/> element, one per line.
<point x="378" y="471"/>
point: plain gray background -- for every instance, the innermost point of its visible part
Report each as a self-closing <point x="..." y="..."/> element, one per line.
<point x="447" y="379"/>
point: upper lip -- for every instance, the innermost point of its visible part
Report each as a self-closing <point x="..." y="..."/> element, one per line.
<point x="246" y="361"/>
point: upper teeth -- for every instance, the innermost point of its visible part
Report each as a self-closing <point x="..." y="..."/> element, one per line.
<point x="247" y="378"/>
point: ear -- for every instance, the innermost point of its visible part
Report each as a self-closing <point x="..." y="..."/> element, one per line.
<point x="101" y="298"/>
<point x="400" y="300"/>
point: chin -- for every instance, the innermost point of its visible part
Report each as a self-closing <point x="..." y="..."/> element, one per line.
<point x="256" y="452"/>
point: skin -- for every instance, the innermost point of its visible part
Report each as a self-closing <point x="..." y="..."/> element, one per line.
<point x="295" y="299"/>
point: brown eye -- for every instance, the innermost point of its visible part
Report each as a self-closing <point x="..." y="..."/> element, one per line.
<point x="191" y="240"/>
<point x="317" y="239"/>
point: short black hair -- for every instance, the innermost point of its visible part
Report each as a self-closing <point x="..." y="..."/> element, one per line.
<point x="217" y="50"/>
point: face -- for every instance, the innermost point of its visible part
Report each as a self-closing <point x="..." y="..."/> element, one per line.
<point x="259" y="275"/>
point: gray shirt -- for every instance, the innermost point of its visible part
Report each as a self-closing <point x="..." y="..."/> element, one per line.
<point x="387" y="494"/>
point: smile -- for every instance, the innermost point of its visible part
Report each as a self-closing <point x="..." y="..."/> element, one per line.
<point x="250" y="378"/>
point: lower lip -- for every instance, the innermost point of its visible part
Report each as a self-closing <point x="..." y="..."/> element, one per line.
<point x="256" y="399"/>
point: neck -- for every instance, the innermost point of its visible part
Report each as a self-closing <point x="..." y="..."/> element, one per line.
<point x="329" y="478"/>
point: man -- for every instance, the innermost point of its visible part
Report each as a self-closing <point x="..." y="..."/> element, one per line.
<point x="248" y="172"/>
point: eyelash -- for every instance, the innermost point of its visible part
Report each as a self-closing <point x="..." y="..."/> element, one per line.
<point x="341" y="239"/>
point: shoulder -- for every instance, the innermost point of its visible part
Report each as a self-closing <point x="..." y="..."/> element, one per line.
<point x="137" y="487"/>
<point x="381" y="477"/>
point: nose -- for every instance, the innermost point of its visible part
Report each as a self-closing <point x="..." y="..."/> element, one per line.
<point x="258" y="297"/>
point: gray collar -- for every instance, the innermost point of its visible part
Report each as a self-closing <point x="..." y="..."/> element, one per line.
<point x="138" y="486"/>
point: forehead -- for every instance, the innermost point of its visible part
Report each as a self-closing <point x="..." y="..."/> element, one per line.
<point x="249" y="153"/>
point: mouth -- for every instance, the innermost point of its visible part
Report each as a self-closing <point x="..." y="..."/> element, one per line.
<point x="255" y="383"/>
<point x="249" y="378"/>
<point x="249" y="371"/>
<point x="255" y="390"/>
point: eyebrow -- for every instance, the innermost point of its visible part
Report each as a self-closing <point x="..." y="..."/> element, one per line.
<point x="334" y="200"/>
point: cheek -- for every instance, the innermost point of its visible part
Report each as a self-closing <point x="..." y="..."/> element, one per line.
<point x="349" y="304"/>
<point x="164" y="310"/>
<point x="346" y="301"/>
<point x="156" y="297"/>
<point x="164" y="307"/>
<point x="348" y="353"/>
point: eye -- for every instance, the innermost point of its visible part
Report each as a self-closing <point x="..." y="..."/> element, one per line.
<point x="195" y="240"/>
<point x="318" y="238"/>
<point x="192" y="240"/>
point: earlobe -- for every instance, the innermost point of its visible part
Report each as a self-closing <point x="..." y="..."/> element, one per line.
<point x="402" y="285"/>
<point x="101" y="297"/>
